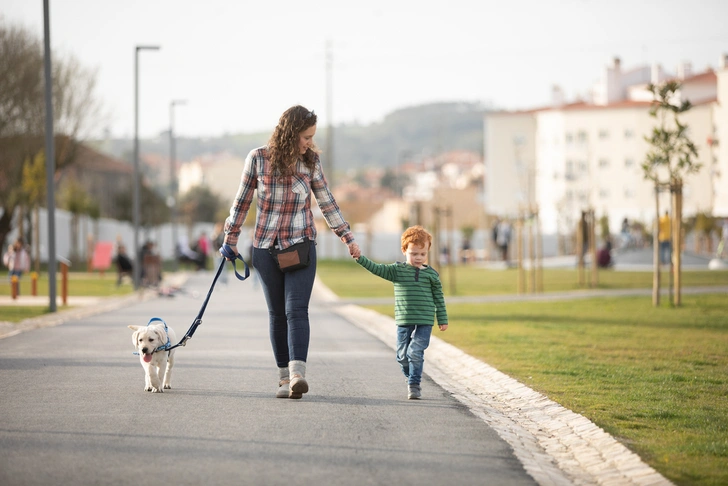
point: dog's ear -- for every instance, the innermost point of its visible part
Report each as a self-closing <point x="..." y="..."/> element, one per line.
<point x="134" y="328"/>
<point x="134" y="338"/>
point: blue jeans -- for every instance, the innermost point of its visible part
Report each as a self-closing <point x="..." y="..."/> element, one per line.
<point x="287" y="296"/>
<point x="665" y="252"/>
<point x="411" y="344"/>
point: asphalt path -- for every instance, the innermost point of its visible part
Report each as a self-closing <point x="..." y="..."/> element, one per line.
<point x="73" y="409"/>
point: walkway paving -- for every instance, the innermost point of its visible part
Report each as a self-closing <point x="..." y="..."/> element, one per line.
<point x="555" y="445"/>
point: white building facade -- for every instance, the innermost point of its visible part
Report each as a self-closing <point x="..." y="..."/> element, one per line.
<point x="588" y="155"/>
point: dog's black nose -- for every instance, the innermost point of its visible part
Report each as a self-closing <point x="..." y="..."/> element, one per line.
<point x="144" y="350"/>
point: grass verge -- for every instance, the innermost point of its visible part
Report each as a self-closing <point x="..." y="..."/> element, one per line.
<point x="654" y="378"/>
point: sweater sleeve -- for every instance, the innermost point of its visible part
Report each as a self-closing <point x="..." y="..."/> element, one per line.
<point x="439" y="299"/>
<point x="387" y="272"/>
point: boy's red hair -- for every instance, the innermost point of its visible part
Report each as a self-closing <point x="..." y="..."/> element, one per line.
<point x="417" y="235"/>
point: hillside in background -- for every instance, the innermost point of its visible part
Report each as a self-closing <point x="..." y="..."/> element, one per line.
<point x="405" y="133"/>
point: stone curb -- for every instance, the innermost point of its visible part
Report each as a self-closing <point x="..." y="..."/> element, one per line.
<point x="555" y="445"/>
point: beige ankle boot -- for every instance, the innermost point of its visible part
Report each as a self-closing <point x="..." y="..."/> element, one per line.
<point x="284" y="380"/>
<point x="297" y="373"/>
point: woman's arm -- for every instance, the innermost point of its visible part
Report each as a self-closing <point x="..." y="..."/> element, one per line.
<point x="329" y="208"/>
<point x="243" y="198"/>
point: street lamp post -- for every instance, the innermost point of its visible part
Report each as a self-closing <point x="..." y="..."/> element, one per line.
<point x="173" y="180"/>
<point x="135" y="182"/>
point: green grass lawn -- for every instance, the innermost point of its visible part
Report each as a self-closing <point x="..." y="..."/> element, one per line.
<point x="654" y="378"/>
<point x="354" y="281"/>
<point x="81" y="284"/>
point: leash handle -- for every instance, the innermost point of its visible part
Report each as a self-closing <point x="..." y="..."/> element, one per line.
<point x="228" y="253"/>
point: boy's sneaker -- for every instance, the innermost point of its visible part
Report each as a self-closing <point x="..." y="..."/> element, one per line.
<point x="413" y="392"/>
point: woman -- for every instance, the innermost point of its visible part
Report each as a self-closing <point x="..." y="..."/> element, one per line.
<point x="285" y="173"/>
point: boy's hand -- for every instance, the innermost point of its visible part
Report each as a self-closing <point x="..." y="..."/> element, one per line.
<point x="354" y="250"/>
<point x="443" y="327"/>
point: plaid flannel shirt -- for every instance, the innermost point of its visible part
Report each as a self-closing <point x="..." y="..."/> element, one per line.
<point x="284" y="204"/>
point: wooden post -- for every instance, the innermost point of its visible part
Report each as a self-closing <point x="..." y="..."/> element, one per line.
<point x="14" y="283"/>
<point x="593" y="248"/>
<point x="677" y="241"/>
<point x="519" y="253"/>
<point x="531" y="253"/>
<point x="656" y="250"/>
<point x="580" y="250"/>
<point x="33" y="283"/>
<point x="64" y="283"/>
<point x="539" y="252"/>
<point x="451" y="256"/>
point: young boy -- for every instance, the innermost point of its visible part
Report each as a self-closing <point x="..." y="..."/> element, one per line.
<point x="418" y="299"/>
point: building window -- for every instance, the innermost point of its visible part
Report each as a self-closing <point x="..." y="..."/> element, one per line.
<point x="582" y="197"/>
<point x="569" y="139"/>
<point x="569" y="195"/>
<point x="603" y="134"/>
<point x="603" y="193"/>
<point x="628" y="133"/>
<point x="603" y="163"/>
<point x="582" y="137"/>
<point x="628" y="163"/>
<point x="583" y="166"/>
<point x="629" y="193"/>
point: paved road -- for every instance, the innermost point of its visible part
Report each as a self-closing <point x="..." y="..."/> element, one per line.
<point x="72" y="408"/>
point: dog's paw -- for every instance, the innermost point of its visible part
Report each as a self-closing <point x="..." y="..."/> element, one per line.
<point x="157" y="390"/>
<point x="167" y="386"/>
<point x="147" y="388"/>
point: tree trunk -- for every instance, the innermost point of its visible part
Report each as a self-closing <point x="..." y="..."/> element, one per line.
<point x="580" y="251"/>
<point x="593" y="248"/>
<point x="677" y="238"/>
<point x="656" y="251"/>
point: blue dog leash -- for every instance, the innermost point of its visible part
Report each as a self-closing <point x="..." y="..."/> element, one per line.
<point x="227" y="252"/>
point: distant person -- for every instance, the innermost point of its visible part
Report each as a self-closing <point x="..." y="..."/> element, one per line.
<point x="185" y="254"/>
<point x="124" y="265"/>
<point x="604" y="255"/>
<point x="218" y="239"/>
<point x="494" y="236"/>
<point x="664" y="238"/>
<point x="17" y="260"/>
<point x="504" y="238"/>
<point x="626" y="234"/>
<point x="203" y="248"/>
<point x="418" y="299"/>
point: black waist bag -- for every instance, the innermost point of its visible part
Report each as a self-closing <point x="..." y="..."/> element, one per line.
<point x="294" y="257"/>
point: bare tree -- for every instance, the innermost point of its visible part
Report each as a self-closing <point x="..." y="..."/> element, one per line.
<point x="22" y="113"/>
<point x="669" y="160"/>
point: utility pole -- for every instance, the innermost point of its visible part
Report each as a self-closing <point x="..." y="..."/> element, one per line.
<point x="50" y="158"/>
<point x="329" y="166"/>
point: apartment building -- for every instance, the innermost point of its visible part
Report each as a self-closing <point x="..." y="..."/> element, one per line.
<point x="569" y="157"/>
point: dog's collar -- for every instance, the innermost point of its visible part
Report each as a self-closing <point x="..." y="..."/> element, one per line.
<point x="165" y="346"/>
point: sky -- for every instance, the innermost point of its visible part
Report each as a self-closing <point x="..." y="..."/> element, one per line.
<point x="238" y="65"/>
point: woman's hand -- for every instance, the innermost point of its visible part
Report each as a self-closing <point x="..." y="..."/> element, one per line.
<point x="230" y="252"/>
<point x="354" y="250"/>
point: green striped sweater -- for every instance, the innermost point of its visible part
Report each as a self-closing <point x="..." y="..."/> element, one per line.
<point x="418" y="296"/>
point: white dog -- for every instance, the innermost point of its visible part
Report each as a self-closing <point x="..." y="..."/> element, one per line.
<point x="150" y="342"/>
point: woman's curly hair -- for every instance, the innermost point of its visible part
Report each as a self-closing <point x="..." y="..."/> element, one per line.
<point x="283" y="149"/>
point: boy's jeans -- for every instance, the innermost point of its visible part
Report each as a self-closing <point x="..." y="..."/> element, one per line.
<point x="411" y="344"/>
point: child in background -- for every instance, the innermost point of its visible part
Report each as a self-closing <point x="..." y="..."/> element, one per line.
<point x="418" y="299"/>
